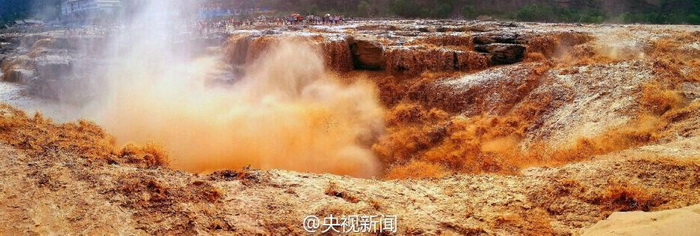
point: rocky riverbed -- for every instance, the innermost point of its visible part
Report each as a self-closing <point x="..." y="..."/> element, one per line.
<point x="491" y="128"/>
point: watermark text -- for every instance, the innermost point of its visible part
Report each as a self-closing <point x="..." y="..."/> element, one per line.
<point x="351" y="224"/>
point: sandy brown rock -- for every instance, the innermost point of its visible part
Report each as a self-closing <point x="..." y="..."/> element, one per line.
<point x="575" y="83"/>
<point x="684" y="221"/>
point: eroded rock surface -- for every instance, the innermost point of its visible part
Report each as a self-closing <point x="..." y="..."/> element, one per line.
<point x="544" y="84"/>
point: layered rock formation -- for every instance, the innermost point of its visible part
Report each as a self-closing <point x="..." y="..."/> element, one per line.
<point x="410" y="49"/>
<point x="467" y="102"/>
<point x="68" y="65"/>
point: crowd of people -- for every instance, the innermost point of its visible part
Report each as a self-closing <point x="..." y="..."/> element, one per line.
<point x="217" y="25"/>
<point x="327" y="19"/>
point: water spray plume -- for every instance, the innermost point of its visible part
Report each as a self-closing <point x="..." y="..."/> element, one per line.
<point x="285" y="113"/>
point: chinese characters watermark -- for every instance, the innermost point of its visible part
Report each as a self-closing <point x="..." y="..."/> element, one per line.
<point x="351" y="224"/>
